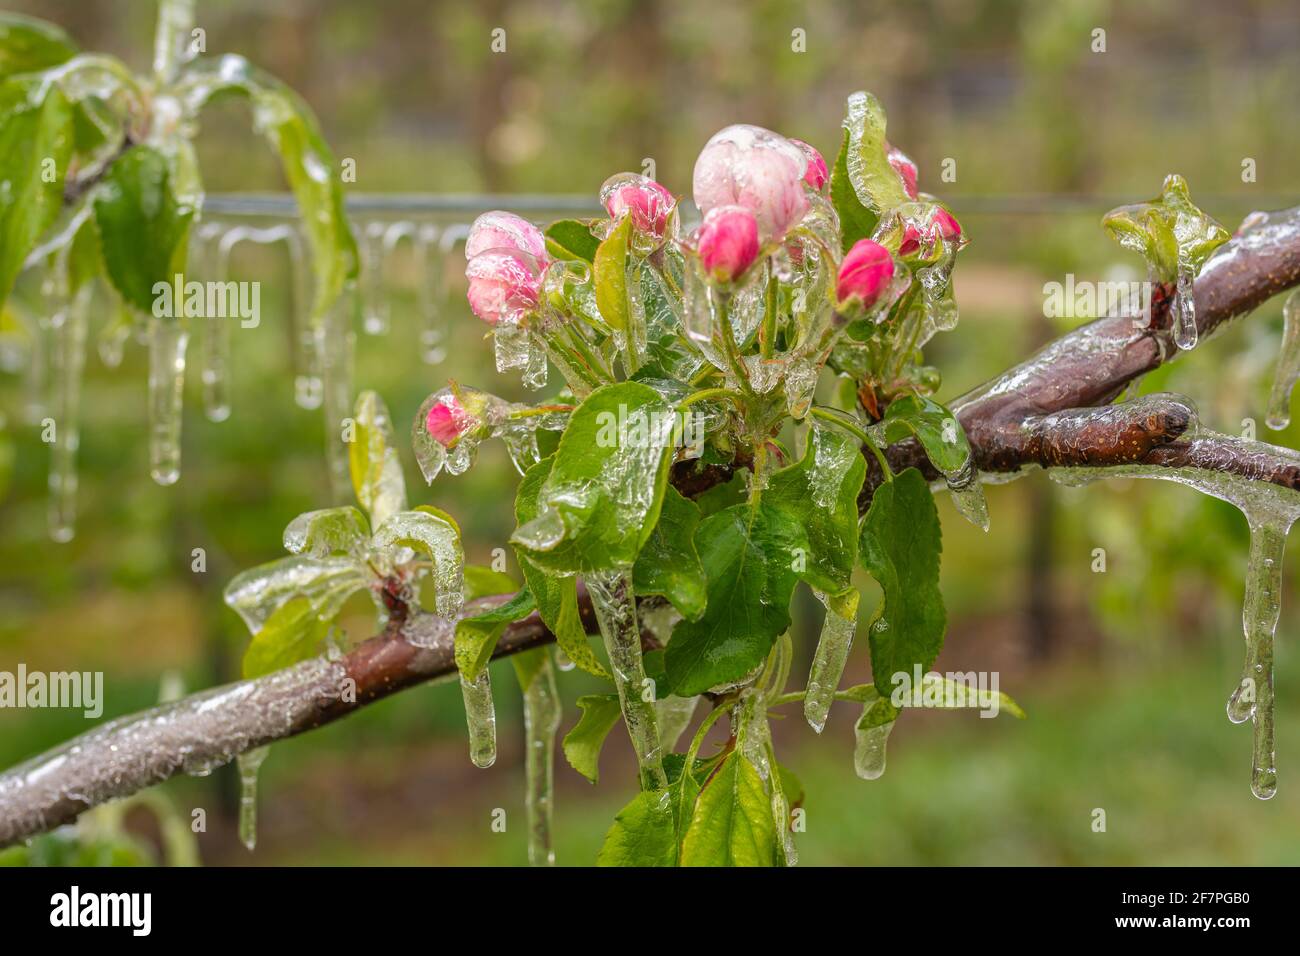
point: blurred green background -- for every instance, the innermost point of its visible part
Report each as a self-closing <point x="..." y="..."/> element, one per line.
<point x="1124" y="673"/>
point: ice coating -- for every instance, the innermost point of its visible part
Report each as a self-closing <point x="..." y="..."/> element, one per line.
<point x="1288" y="364"/>
<point x="327" y="531"/>
<point x="257" y="593"/>
<point x="614" y="601"/>
<point x="167" y="341"/>
<point x="649" y="204"/>
<point x="674" y="715"/>
<point x="753" y="167"/>
<point x="481" y="719"/>
<point x="504" y="230"/>
<point x="870" y="739"/>
<point x="876" y="182"/>
<point x="435" y="539"/>
<point x="1270" y="512"/>
<point x="829" y="659"/>
<point x="67" y="360"/>
<point x="752" y="730"/>
<point x="250" y="762"/>
<point x="541" y="722"/>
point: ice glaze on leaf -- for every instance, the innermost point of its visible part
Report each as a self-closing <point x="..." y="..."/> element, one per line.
<point x="643" y="833"/>
<point x="257" y="593"/>
<point x="292" y="634"/>
<point x="571" y="239"/>
<point x="936" y="428"/>
<point x="732" y="824"/>
<point x="610" y="272"/>
<point x="669" y="565"/>
<point x="856" y="220"/>
<point x="1169" y="231"/>
<point x="143" y="226"/>
<point x="900" y="547"/>
<point x="372" y="459"/>
<point x="582" y="744"/>
<point x="327" y="531"/>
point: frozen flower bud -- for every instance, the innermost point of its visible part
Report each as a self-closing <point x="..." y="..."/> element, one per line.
<point x="905" y="168"/>
<point x="728" y="242"/>
<point x="865" y="274"/>
<point x="648" y="203"/>
<point x="753" y="167"/>
<point x="504" y="285"/>
<point x="447" y="420"/>
<point x="504" y="230"/>
<point x="816" y="174"/>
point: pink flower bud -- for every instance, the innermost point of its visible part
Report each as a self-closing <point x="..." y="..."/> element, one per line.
<point x="926" y="234"/>
<point x="865" y="273"/>
<point x="753" y="167"/>
<point x="505" y="230"/>
<point x="447" y="421"/>
<point x="816" y="174"/>
<point x="645" y="200"/>
<point x="728" y="242"/>
<point x="504" y="285"/>
<point x="904" y="167"/>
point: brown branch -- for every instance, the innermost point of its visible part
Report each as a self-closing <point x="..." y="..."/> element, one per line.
<point x="1041" y="413"/>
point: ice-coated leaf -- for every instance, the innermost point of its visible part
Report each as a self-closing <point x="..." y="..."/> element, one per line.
<point x="610" y="270"/>
<point x="1170" y="232"/>
<point x="936" y="428"/>
<point x="30" y="134"/>
<point x="876" y="183"/>
<point x="143" y="226"/>
<point x="732" y="824"/>
<point x="669" y="565"/>
<point x="582" y="744"/>
<point x="644" y="833"/>
<point x="292" y="634"/>
<point x="856" y="220"/>
<point x="373" y="461"/>
<point x="571" y="239"/>
<point x="319" y="534"/>
<point x="290" y="127"/>
<point x="476" y="637"/>
<point x="900" y="547"/>
<point x="257" y="593"/>
<point x="432" y="533"/>
<point x="747" y="556"/>
<point x="556" y="595"/>
<point x="819" y="493"/>
<point x="602" y="497"/>
<point x="28" y="44"/>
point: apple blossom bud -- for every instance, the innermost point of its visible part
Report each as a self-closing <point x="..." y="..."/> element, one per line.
<point x="648" y="203"/>
<point x="504" y="285"/>
<point x="447" y="421"/>
<point x="505" y="230"/>
<point x="728" y="242"/>
<point x="938" y="225"/>
<point x="816" y="174"/>
<point x="865" y="273"/>
<point x="753" y="167"/>
<point x="904" y="167"/>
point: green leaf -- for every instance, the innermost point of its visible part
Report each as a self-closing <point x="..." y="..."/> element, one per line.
<point x="143" y="227"/>
<point x="582" y="744"/>
<point x="28" y="44"/>
<point x="610" y="272"/>
<point x="643" y="834"/>
<point x="327" y="531"/>
<point x="791" y="786"/>
<point x="30" y="135"/>
<point x="877" y="184"/>
<point x="746" y="552"/>
<point x="372" y="459"/>
<point x="669" y="565"/>
<point x="292" y="634"/>
<point x="602" y="497"/>
<point x="936" y="428"/>
<point x="289" y="125"/>
<point x="476" y="637"/>
<point x="571" y="239"/>
<point x="557" y="595"/>
<point x="732" y="824"/>
<point x="819" y="493"/>
<point x="327" y="582"/>
<point x="856" y="220"/>
<point x="481" y="581"/>
<point x="900" y="547"/>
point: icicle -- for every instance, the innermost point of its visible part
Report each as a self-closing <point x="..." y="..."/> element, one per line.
<point x="481" y="716"/>
<point x="1185" y="306"/>
<point x="111" y="344"/>
<point x="214" y="358"/>
<point x="829" y="660"/>
<point x="429" y="266"/>
<point x="334" y="346"/>
<point x="167" y="340"/>
<point x="249" y="764"/>
<point x="67" y="359"/>
<point x="541" y="721"/>
<point x="613" y="599"/>
<point x="375" y="312"/>
<point x="1288" y="365"/>
<point x="752" y="730"/>
<point x="869" y="749"/>
<point x="968" y="495"/>
<point x="781" y="817"/>
<point x="308" y="389"/>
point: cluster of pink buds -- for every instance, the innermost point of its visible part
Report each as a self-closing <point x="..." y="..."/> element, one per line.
<point x="755" y="168"/>
<point x="506" y="261"/>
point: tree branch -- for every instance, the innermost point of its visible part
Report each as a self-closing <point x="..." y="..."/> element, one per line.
<point x="1041" y="413"/>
